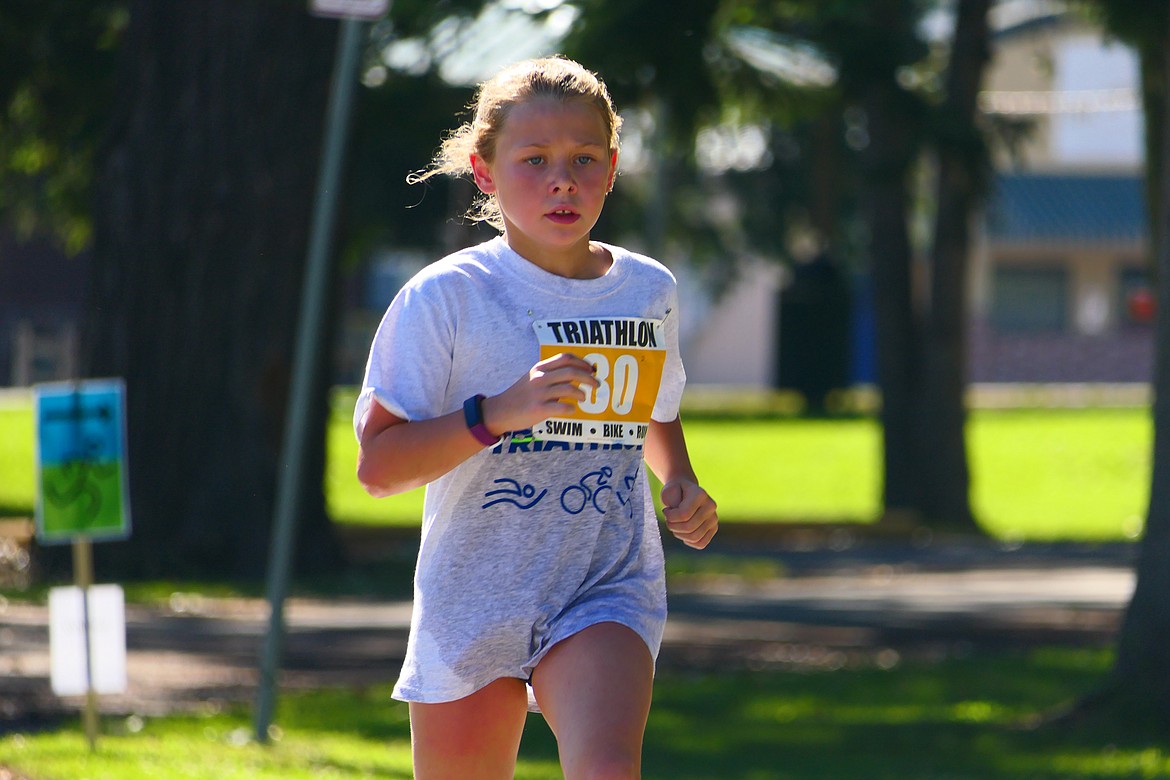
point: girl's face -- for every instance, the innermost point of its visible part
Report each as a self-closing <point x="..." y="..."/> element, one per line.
<point x="552" y="170"/>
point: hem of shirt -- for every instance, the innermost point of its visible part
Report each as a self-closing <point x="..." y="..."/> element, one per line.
<point x="417" y="696"/>
<point x="368" y="396"/>
<point x="651" y="637"/>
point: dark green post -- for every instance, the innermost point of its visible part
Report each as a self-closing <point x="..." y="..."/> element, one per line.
<point x="306" y="362"/>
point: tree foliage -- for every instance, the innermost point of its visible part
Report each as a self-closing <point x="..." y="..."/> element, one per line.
<point x="57" y="62"/>
<point x="647" y="54"/>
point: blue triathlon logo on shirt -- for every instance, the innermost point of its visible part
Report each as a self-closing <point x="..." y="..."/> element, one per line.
<point x="513" y="494"/>
<point x="586" y="492"/>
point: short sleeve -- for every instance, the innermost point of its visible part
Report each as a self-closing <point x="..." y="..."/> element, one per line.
<point x="674" y="377"/>
<point x="409" y="364"/>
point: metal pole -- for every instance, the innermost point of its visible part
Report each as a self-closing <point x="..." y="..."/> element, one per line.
<point x="83" y="577"/>
<point x="306" y="363"/>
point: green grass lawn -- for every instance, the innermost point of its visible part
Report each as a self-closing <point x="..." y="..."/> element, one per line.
<point x="16" y="455"/>
<point x="1037" y="474"/>
<point x="1061" y="474"/>
<point x="958" y="718"/>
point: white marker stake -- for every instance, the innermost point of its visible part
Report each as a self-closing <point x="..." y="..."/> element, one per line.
<point x="87" y="645"/>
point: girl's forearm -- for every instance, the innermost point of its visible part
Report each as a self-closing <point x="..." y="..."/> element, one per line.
<point x="396" y="455"/>
<point x="406" y="455"/>
<point x="666" y="453"/>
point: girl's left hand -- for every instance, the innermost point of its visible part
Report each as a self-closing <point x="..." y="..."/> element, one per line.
<point x="691" y="514"/>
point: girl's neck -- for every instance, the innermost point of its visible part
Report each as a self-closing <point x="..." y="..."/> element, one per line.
<point x="584" y="261"/>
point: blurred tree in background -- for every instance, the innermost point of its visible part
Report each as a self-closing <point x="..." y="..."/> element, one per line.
<point x="1139" y="687"/>
<point x="202" y="198"/>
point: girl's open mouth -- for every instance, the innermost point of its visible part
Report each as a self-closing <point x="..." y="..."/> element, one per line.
<point x="563" y="216"/>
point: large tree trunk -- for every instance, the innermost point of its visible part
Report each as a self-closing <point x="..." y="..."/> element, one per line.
<point x="1141" y="672"/>
<point x="942" y="447"/>
<point x="204" y="195"/>
<point x="886" y="203"/>
<point x="894" y="129"/>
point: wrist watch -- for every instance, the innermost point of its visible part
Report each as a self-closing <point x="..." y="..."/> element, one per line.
<point x="473" y="416"/>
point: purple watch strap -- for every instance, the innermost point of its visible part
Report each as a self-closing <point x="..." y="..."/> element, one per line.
<point x="473" y="416"/>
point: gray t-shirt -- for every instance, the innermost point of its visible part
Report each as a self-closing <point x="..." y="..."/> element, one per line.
<point x="534" y="539"/>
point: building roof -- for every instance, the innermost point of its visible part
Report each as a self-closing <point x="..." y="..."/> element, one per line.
<point x="1042" y="207"/>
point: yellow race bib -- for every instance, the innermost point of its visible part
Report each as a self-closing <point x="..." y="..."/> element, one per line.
<point x="629" y="354"/>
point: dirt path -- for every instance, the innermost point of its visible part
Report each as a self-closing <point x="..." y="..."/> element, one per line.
<point x="833" y="605"/>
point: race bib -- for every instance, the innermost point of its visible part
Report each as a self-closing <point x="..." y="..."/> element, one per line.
<point x="629" y="354"/>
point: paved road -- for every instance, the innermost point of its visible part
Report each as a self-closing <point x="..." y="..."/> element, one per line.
<point x="878" y="602"/>
<point x="831" y="602"/>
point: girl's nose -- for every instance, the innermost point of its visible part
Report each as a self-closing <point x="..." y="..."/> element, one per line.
<point x="562" y="180"/>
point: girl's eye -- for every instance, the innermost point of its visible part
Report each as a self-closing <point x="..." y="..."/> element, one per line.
<point x="584" y="159"/>
<point x="534" y="160"/>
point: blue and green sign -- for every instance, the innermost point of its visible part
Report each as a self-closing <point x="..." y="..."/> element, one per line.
<point x="81" y="461"/>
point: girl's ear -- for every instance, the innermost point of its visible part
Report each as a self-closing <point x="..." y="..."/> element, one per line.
<point x="612" y="170"/>
<point x="483" y="175"/>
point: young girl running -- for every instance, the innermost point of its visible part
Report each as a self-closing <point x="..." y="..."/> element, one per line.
<point x="527" y="382"/>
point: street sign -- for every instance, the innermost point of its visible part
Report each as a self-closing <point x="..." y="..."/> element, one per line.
<point x="87" y="640"/>
<point x="349" y="9"/>
<point x="81" y="462"/>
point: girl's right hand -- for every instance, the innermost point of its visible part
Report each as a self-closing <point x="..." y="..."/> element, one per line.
<point x="550" y="388"/>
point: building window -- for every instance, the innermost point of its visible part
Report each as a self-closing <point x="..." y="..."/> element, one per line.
<point x="1029" y="299"/>
<point x="1137" y="296"/>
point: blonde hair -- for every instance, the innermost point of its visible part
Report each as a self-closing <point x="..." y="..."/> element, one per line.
<point x="555" y="77"/>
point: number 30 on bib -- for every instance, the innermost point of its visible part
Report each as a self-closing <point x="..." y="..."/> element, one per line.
<point x="628" y="354"/>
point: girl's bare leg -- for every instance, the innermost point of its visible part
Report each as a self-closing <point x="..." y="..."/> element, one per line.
<point x="473" y="738"/>
<point x="594" y="689"/>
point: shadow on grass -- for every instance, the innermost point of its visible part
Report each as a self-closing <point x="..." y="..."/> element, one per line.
<point x="961" y="718"/>
<point x="369" y="713"/>
<point x="957" y="719"/>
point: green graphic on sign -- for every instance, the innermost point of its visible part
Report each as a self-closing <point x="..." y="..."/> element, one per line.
<point x="81" y="464"/>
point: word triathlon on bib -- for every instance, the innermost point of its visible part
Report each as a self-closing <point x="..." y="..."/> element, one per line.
<point x="609" y="333"/>
<point x="628" y="355"/>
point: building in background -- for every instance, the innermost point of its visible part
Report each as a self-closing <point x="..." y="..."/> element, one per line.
<point x="1060" y="287"/>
